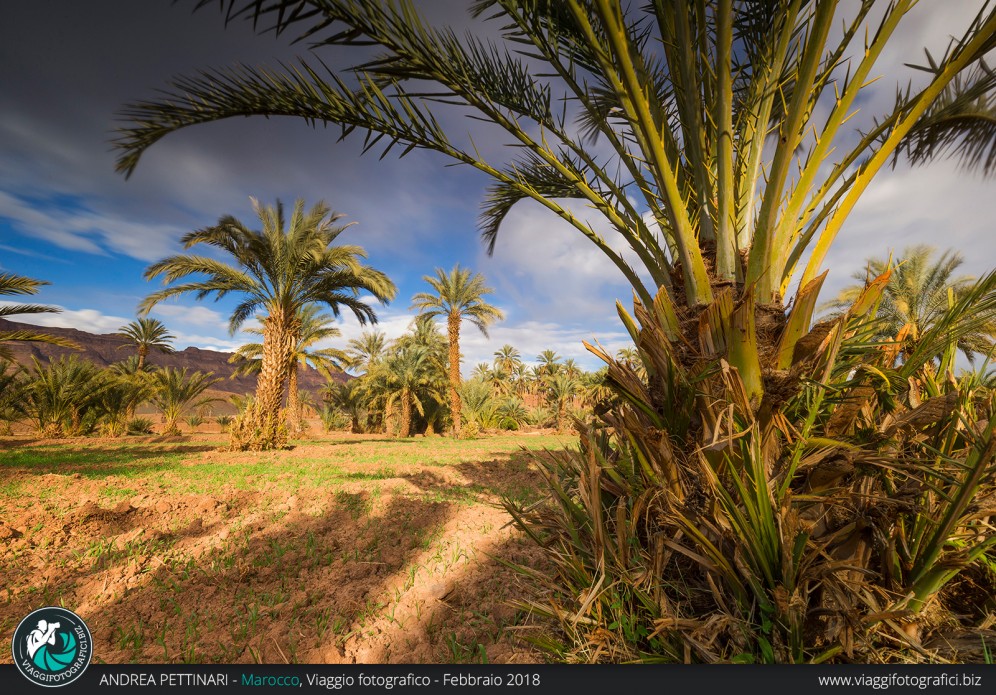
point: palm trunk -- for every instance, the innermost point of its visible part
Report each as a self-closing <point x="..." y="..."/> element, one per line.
<point x="293" y="400"/>
<point x="262" y="428"/>
<point x="143" y="351"/>
<point x="406" y="414"/>
<point x="169" y="424"/>
<point x="561" y="415"/>
<point x="453" y="328"/>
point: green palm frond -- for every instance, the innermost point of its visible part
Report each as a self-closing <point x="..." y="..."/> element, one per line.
<point x="458" y="293"/>
<point x="960" y="124"/>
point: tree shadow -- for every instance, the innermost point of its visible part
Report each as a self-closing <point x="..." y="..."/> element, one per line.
<point x="345" y="443"/>
<point x="266" y="591"/>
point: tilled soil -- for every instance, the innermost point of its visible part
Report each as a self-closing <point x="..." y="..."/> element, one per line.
<point x="346" y="551"/>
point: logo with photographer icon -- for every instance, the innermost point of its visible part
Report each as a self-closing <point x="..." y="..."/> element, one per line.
<point x="52" y="646"/>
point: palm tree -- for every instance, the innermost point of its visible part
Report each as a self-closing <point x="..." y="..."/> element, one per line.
<point x="404" y="373"/>
<point x="349" y="398"/>
<point x="571" y="368"/>
<point x="549" y="364"/>
<point x="288" y="265"/>
<point x="919" y="292"/>
<point x="147" y="334"/>
<point x="366" y="350"/>
<point x="173" y="391"/>
<point x="11" y="284"/>
<point x="720" y="144"/>
<point x="683" y="98"/>
<point x="458" y="295"/>
<point x="561" y="388"/>
<point x="412" y="375"/>
<point x="483" y="372"/>
<point x="63" y="396"/>
<point x="314" y="327"/>
<point x="507" y="359"/>
<point x="12" y="384"/>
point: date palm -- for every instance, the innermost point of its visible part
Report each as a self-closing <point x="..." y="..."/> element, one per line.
<point x="366" y="350"/>
<point x="174" y="390"/>
<point x="681" y="96"/>
<point x="457" y="295"/>
<point x="917" y="295"/>
<point x="721" y="151"/>
<point x="287" y="265"/>
<point x="561" y="388"/>
<point x="349" y="398"/>
<point x="11" y="284"/>
<point x="147" y="334"/>
<point x="507" y="359"/>
<point x="412" y="375"/>
<point x="314" y="327"/>
<point x="548" y="364"/>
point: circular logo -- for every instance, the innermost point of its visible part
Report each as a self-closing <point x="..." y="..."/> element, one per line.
<point x="52" y="646"/>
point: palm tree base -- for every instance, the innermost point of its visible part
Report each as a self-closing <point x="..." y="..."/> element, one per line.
<point x="255" y="431"/>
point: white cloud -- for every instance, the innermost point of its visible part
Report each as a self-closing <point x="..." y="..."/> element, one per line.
<point x="533" y="337"/>
<point x="545" y="267"/>
<point x="89" y="320"/>
<point x="196" y="315"/>
<point x="89" y="231"/>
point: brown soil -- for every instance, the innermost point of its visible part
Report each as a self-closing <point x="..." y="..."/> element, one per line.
<point x="291" y="564"/>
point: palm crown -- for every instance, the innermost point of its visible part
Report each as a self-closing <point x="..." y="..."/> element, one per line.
<point x="916" y="297"/>
<point x="288" y="264"/>
<point x="147" y="334"/>
<point x="366" y="350"/>
<point x="459" y="293"/>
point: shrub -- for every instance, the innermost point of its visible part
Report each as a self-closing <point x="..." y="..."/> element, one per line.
<point x="333" y="419"/>
<point x="541" y="416"/>
<point x="139" y="425"/>
<point x="64" y="396"/>
<point x="223" y="421"/>
<point x="470" y="430"/>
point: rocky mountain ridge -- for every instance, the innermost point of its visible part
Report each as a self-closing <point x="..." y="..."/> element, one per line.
<point x="104" y="349"/>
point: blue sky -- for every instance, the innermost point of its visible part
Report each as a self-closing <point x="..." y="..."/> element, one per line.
<point x="67" y="217"/>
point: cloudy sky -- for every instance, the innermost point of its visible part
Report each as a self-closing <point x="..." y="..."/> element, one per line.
<point x="67" y="217"/>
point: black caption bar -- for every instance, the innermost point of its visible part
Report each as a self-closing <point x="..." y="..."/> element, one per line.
<point x="104" y="679"/>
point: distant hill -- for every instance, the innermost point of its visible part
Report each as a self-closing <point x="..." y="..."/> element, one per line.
<point x="105" y="349"/>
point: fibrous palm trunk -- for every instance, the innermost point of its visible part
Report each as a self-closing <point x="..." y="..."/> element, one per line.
<point x="262" y="427"/>
<point x="143" y="351"/>
<point x="170" y="428"/>
<point x="453" y="329"/>
<point x="293" y="400"/>
<point x="388" y="417"/>
<point x="406" y="413"/>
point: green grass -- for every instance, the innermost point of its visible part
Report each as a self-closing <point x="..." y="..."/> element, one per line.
<point x="160" y="460"/>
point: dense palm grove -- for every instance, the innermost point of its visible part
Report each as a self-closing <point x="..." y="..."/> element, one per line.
<point x="398" y="387"/>
<point x="754" y="483"/>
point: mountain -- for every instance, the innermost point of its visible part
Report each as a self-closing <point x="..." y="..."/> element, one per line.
<point x="105" y="349"/>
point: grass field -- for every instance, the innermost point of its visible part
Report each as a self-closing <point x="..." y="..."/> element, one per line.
<point x="348" y="549"/>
